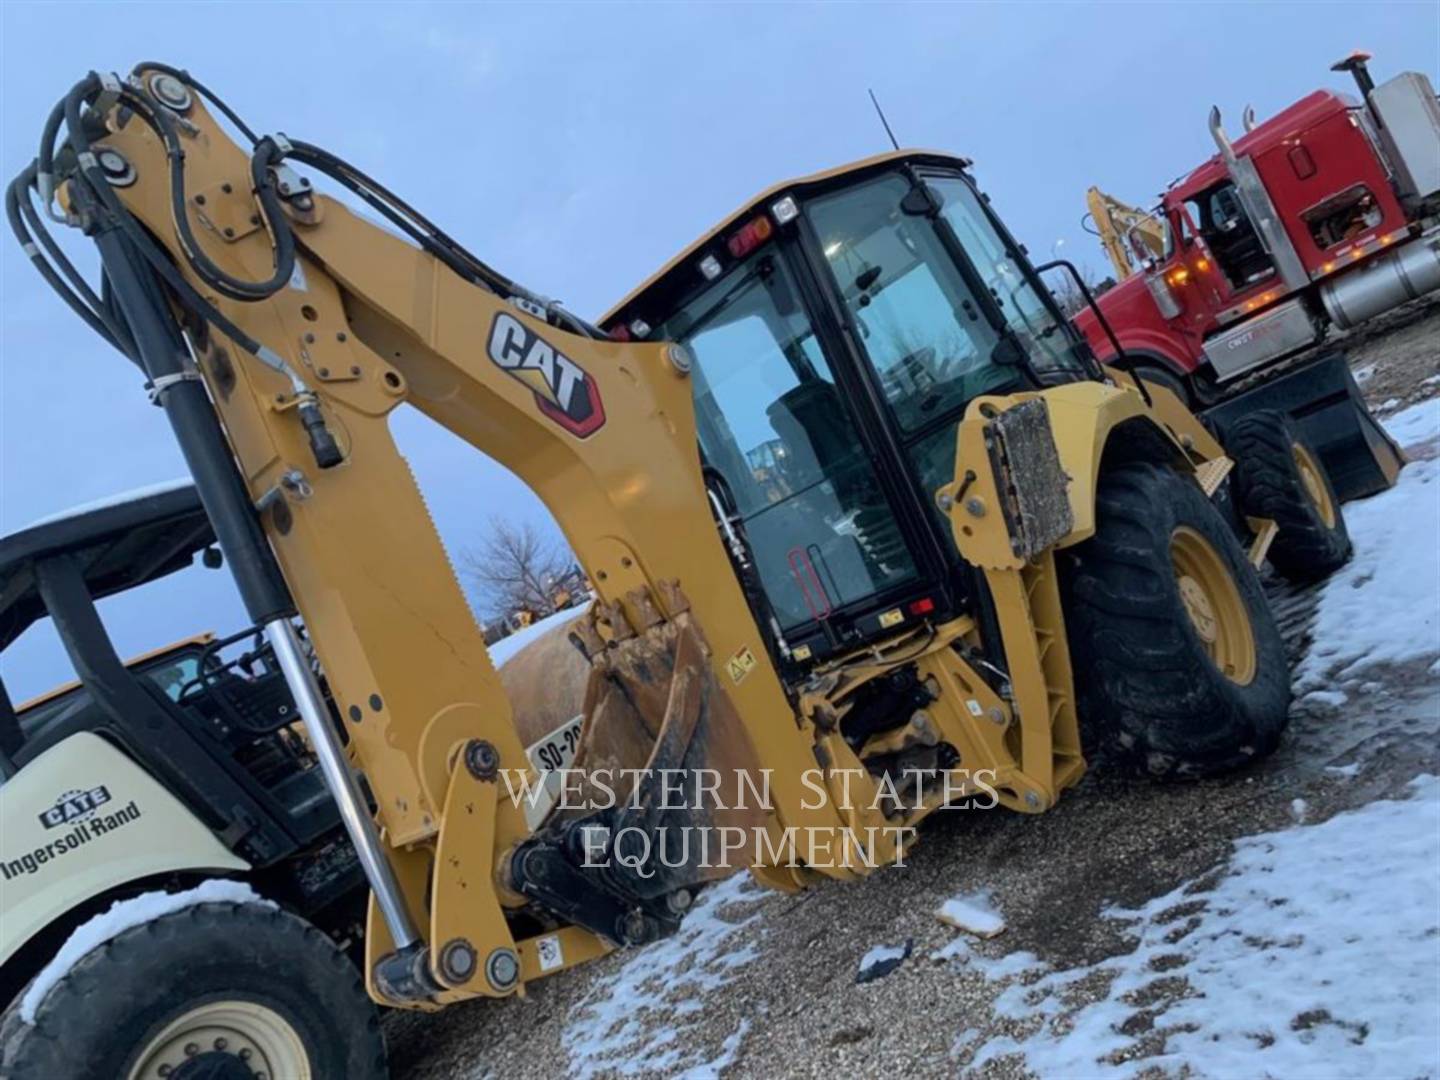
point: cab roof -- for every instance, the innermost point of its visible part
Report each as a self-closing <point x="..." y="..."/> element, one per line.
<point x="800" y="185"/>
<point x="120" y="543"/>
<point x="1284" y="127"/>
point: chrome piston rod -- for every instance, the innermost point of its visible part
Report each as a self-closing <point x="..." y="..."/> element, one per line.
<point x="341" y="781"/>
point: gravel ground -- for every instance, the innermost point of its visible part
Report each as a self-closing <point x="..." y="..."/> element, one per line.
<point x="795" y="1008"/>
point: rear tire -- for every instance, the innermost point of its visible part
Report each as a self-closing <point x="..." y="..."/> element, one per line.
<point x="1164" y="688"/>
<point x="217" y="989"/>
<point x="1279" y="476"/>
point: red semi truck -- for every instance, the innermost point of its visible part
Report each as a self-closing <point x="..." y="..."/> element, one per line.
<point x="1325" y="215"/>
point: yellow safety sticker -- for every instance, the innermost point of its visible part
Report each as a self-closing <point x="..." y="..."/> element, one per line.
<point x="741" y="664"/>
<point x="801" y="652"/>
<point x="893" y="617"/>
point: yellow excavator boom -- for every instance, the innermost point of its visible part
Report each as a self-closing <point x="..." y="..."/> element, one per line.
<point x="1122" y="230"/>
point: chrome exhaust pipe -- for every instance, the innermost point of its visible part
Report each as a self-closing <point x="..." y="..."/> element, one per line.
<point x="1222" y="141"/>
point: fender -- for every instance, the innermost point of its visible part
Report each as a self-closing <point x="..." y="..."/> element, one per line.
<point x="1143" y="358"/>
<point x="1086" y="420"/>
<point x="82" y="819"/>
<point x="1161" y="347"/>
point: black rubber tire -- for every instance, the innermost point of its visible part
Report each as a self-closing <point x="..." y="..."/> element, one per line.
<point x="1150" y="697"/>
<point x="1162" y="377"/>
<point x="95" y="1021"/>
<point x="1268" y="485"/>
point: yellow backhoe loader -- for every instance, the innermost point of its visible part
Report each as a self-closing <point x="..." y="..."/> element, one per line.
<point x="870" y="532"/>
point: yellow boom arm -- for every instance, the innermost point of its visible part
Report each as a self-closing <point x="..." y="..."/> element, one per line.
<point x="1121" y="227"/>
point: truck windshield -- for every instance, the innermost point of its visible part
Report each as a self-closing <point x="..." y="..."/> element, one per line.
<point x="772" y="422"/>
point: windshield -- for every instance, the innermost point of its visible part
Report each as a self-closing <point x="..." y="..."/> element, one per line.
<point x="928" y="341"/>
<point x="1038" y="326"/>
<point x="773" y="424"/>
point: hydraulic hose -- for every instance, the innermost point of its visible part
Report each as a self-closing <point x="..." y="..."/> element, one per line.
<point x="27" y="230"/>
<point x="269" y="154"/>
<point x="205" y="92"/>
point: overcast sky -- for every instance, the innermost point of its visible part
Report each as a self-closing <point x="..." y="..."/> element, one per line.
<point x="577" y="147"/>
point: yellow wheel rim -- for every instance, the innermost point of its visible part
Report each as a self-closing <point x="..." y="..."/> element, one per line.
<point x="1314" y="482"/>
<point x="260" y="1038"/>
<point x="1212" y="601"/>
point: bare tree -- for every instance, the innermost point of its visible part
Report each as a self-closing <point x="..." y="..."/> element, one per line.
<point x="514" y="567"/>
<point x="1067" y="293"/>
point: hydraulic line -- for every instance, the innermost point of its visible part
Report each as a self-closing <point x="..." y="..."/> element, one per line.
<point x="78" y="295"/>
<point x="270" y="152"/>
<point x="323" y="445"/>
<point x="205" y="92"/>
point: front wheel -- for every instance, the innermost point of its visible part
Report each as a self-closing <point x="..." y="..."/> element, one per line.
<point x="1279" y="476"/>
<point x="217" y="991"/>
<point x="1180" y="669"/>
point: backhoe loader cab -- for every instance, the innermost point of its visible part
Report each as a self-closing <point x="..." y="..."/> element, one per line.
<point x="840" y="326"/>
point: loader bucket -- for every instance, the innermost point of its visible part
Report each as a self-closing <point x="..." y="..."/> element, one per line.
<point x="1322" y="398"/>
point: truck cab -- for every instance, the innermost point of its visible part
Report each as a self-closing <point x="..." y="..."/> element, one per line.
<point x="1314" y="217"/>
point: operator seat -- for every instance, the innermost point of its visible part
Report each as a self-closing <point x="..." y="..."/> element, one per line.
<point x="812" y="422"/>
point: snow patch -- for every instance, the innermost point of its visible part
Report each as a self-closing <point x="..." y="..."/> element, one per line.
<point x="729" y="1051"/>
<point x="120" y="498"/>
<point x="122" y="916"/>
<point x="1345" y="772"/>
<point x="1381" y="608"/>
<point x="632" y="1021"/>
<point x="1365" y="373"/>
<point x="1417" y="424"/>
<point x="504" y="649"/>
<point x="1314" y="956"/>
<point x="881" y="960"/>
<point x="974" y="913"/>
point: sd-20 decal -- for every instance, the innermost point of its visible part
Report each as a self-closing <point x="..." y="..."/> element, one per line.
<point x="563" y="391"/>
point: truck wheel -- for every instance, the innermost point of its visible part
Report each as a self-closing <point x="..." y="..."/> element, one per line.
<point x="1180" y="669"/>
<point x="218" y="991"/>
<point x="1278" y="476"/>
<point x="1157" y="376"/>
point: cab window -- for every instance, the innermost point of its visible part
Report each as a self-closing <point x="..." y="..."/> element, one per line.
<point x="773" y="424"/>
<point x="1038" y="327"/>
<point x="926" y="337"/>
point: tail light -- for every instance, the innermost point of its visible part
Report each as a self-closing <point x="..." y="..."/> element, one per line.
<point x="750" y="236"/>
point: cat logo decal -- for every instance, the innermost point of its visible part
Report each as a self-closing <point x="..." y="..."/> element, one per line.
<point x="563" y="391"/>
